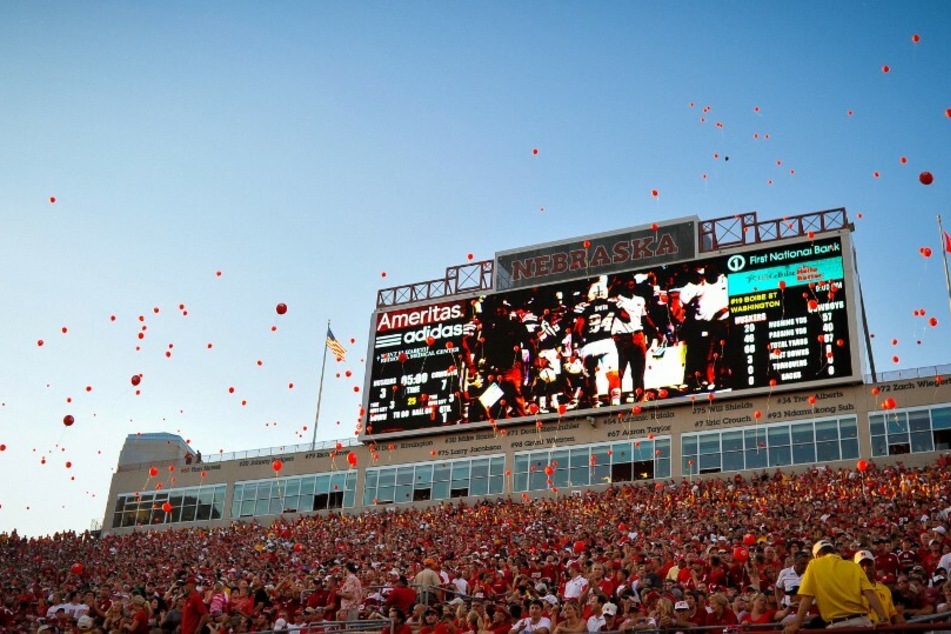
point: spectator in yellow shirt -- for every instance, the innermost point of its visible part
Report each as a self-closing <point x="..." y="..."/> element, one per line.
<point x="866" y="561"/>
<point x="837" y="587"/>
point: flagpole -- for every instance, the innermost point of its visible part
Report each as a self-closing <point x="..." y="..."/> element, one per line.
<point x="944" y="255"/>
<point x="320" y="390"/>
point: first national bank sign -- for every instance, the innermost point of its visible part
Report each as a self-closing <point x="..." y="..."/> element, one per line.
<point x="639" y="247"/>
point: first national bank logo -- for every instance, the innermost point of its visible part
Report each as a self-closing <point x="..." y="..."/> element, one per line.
<point x="736" y="263"/>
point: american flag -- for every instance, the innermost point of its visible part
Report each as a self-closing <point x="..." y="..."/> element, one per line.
<point x="340" y="353"/>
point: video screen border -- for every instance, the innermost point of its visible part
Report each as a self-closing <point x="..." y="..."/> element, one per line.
<point x="464" y="362"/>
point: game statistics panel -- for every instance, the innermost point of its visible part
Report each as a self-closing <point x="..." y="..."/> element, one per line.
<point x="790" y="315"/>
<point x="765" y="318"/>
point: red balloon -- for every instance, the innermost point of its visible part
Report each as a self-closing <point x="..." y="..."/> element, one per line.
<point x="281" y="309"/>
<point x="926" y="178"/>
<point x="933" y="321"/>
<point x="885" y="68"/>
<point x="167" y="507"/>
<point x="352" y="459"/>
<point x="430" y="341"/>
<point x="655" y="193"/>
<point x="749" y="539"/>
<point x="136" y="379"/>
<point x="925" y="251"/>
<point x="298" y="548"/>
<point x="153" y="472"/>
<point x="76" y="568"/>
<point x="579" y="546"/>
<point x="549" y="470"/>
<point x="740" y="554"/>
<point x="52" y="199"/>
<point x="915" y="38"/>
<point x="862" y="465"/>
<point x="68" y="420"/>
<point x="277" y="465"/>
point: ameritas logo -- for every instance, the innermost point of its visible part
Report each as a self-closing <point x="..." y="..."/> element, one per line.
<point x="415" y="317"/>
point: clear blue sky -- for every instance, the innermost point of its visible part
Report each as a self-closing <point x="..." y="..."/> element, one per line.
<point x="305" y="148"/>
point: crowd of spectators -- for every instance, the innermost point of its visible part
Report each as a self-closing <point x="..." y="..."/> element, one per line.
<point x="718" y="551"/>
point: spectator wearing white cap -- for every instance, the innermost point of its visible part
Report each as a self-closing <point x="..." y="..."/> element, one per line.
<point x="837" y="586"/>
<point x="609" y="613"/>
<point x="866" y="561"/>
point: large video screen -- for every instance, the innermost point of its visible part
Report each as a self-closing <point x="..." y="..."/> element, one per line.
<point x="765" y="318"/>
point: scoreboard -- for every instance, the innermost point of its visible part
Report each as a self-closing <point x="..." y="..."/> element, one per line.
<point x="763" y="318"/>
<point x="788" y="306"/>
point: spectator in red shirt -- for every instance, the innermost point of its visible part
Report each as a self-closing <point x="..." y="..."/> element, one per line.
<point x="501" y="622"/>
<point x="599" y="582"/>
<point x="907" y="555"/>
<point x="398" y="620"/>
<point x="194" y="612"/>
<point x="886" y="561"/>
<point x="430" y="622"/>
<point x="716" y="575"/>
<point x="401" y="596"/>
<point x="720" y="615"/>
<point x="761" y="612"/>
<point x="139" y="621"/>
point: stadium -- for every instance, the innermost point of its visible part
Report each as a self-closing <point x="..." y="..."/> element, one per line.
<point x="648" y="429"/>
<point x="653" y="354"/>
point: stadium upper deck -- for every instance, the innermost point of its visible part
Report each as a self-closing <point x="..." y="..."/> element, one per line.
<point x="649" y="354"/>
